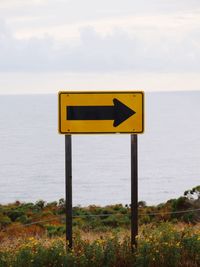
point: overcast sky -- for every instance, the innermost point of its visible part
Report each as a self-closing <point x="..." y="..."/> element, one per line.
<point x="48" y="45"/>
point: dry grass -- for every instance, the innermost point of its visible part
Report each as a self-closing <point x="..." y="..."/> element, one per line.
<point x="13" y="238"/>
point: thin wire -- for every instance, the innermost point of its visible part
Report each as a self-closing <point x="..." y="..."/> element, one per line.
<point x="50" y="220"/>
<point x="110" y="214"/>
<point x="142" y="214"/>
<point x="170" y="212"/>
<point x="33" y="223"/>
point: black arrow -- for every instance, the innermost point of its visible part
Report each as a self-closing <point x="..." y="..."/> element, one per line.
<point x="119" y="112"/>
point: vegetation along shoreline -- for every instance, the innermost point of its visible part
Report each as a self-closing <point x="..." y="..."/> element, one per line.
<point x="33" y="234"/>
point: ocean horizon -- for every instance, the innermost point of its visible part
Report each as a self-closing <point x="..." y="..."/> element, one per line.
<point x="32" y="152"/>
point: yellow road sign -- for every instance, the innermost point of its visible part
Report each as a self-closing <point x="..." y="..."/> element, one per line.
<point x="101" y="112"/>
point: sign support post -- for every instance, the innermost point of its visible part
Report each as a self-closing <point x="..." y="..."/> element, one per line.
<point x="68" y="189"/>
<point x="134" y="190"/>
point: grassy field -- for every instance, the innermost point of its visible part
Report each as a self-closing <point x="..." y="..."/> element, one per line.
<point x="33" y="234"/>
<point x="165" y="244"/>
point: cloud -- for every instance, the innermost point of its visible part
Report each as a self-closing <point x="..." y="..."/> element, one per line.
<point x="21" y="3"/>
<point x="140" y="51"/>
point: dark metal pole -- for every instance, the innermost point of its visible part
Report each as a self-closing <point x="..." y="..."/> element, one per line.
<point x="134" y="190"/>
<point x="68" y="190"/>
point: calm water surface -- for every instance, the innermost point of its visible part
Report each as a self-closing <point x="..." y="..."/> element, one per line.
<point x="32" y="153"/>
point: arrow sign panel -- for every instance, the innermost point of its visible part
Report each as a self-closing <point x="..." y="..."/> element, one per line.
<point x="119" y="112"/>
<point x="101" y="112"/>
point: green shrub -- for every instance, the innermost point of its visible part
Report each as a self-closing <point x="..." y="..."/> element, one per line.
<point x="40" y="204"/>
<point x="111" y="221"/>
<point x="23" y="219"/>
<point x="15" y="214"/>
<point x="53" y="230"/>
<point x="4" y="221"/>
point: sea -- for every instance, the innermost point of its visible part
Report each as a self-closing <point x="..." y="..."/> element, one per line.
<point x="32" y="163"/>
